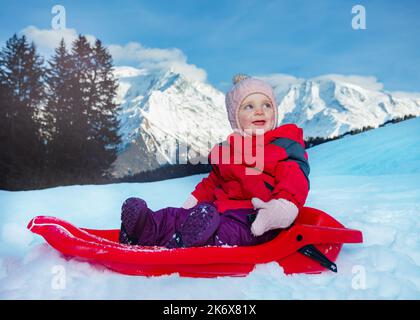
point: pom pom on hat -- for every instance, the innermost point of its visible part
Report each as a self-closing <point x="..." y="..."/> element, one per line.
<point x="239" y="77"/>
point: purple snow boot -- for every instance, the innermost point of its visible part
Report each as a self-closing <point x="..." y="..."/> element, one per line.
<point x="201" y="223"/>
<point x="134" y="213"/>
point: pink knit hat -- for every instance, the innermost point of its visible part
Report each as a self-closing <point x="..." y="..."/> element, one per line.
<point x="243" y="87"/>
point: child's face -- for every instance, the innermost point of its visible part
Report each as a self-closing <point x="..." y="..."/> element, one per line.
<point x="256" y="112"/>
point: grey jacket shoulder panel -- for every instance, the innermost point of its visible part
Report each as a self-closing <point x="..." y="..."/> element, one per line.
<point x="295" y="152"/>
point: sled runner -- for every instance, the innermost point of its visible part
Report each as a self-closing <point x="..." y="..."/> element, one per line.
<point x="310" y="245"/>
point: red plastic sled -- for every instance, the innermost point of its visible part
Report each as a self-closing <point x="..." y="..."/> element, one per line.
<point x="310" y="245"/>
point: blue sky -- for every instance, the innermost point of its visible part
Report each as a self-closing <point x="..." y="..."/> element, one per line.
<point x="301" y="38"/>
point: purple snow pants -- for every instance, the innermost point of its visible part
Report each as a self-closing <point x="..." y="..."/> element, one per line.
<point x="234" y="227"/>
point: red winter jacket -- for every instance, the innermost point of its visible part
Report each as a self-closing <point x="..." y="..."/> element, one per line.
<point x="271" y="166"/>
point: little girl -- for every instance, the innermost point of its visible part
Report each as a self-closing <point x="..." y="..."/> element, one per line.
<point x="233" y="206"/>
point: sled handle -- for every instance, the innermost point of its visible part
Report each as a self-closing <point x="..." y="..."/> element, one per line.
<point x="321" y="234"/>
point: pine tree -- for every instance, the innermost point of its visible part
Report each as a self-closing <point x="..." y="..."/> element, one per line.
<point x="81" y="101"/>
<point x="60" y="111"/>
<point x="22" y="81"/>
<point x="79" y="85"/>
<point x="95" y="90"/>
<point x="104" y="121"/>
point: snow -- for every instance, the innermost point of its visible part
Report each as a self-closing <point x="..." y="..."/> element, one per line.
<point x="367" y="181"/>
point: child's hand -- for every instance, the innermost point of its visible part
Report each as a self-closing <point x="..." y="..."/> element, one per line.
<point x="190" y="202"/>
<point x="274" y="214"/>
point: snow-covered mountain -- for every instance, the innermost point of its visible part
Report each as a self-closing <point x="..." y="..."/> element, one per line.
<point x="328" y="107"/>
<point x="165" y="114"/>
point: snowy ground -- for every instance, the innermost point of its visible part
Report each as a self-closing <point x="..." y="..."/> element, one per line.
<point x="369" y="182"/>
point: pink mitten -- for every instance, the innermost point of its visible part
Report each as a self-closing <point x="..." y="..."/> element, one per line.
<point x="190" y="202"/>
<point x="274" y="214"/>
